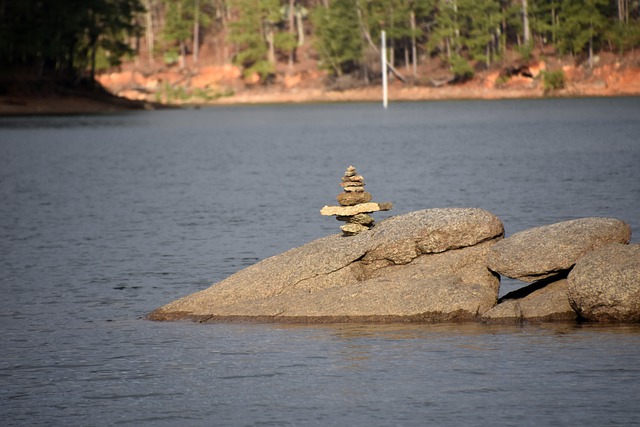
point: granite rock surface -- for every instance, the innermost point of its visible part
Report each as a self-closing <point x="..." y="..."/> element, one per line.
<point x="542" y="252"/>
<point x="544" y="303"/>
<point x="422" y="266"/>
<point x="605" y="284"/>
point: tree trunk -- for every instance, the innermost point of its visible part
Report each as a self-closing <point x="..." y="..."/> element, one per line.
<point x="300" y="27"/>
<point x="591" y="46"/>
<point x="222" y="51"/>
<point x="553" y="23"/>
<point x="414" y="48"/>
<point x="196" y="31"/>
<point x="183" y="46"/>
<point x="448" y="45"/>
<point x="526" y="36"/>
<point x="135" y="46"/>
<point x="620" y="16"/>
<point x="503" y="32"/>
<point x="292" y="54"/>
<point x="271" y="54"/>
<point x="149" y="31"/>
<point x="183" y="54"/>
<point x="456" y="29"/>
<point x="487" y="50"/>
<point x="94" y="47"/>
<point x="623" y="11"/>
<point x="407" y="62"/>
<point x="391" y="45"/>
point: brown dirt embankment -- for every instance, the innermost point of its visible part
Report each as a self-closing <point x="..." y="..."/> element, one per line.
<point x="135" y="88"/>
<point x="223" y="85"/>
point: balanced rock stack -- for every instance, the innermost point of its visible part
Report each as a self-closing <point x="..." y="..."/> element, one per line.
<point x="355" y="204"/>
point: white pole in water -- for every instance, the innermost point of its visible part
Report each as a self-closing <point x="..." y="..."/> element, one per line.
<point x="383" y="60"/>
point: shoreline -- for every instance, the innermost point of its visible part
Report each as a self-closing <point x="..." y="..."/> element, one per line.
<point x="138" y="88"/>
<point x="62" y="105"/>
<point x="408" y="94"/>
<point x="80" y="104"/>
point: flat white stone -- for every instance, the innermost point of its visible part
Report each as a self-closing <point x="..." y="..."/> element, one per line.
<point x="356" y="209"/>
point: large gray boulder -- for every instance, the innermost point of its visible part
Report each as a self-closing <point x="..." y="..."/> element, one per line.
<point x="403" y="237"/>
<point x="605" y="284"/>
<point x="545" y="251"/>
<point x="423" y="266"/>
<point x="544" y="304"/>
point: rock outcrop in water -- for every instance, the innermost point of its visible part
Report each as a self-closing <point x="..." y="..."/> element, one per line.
<point x="355" y="205"/>
<point x="605" y="284"/>
<point x="422" y="266"/>
<point x="549" y="250"/>
<point x="435" y="265"/>
<point x="545" y="256"/>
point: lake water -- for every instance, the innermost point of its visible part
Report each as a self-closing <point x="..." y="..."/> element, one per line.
<point x="104" y="218"/>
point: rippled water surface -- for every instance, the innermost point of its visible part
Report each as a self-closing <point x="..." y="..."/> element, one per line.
<point x="104" y="218"/>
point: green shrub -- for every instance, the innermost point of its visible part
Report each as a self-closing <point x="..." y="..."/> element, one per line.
<point x="526" y="51"/>
<point x="202" y="94"/>
<point x="462" y="70"/>
<point x="168" y="93"/>
<point x="553" y="80"/>
<point x="623" y="36"/>
<point x="170" y="57"/>
<point x="502" y="79"/>
<point x="263" y="68"/>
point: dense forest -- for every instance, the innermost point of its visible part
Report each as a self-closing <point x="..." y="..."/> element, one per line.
<point x="71" y="38"/>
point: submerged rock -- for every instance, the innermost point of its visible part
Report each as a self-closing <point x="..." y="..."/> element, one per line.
<point x="545" y="251"/>
<point x="605" y="284"/>
<point x="423" y="266"/>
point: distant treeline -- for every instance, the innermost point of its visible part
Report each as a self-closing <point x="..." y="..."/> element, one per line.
<point x="69" y="37"/>
<point x="63" y="37"/>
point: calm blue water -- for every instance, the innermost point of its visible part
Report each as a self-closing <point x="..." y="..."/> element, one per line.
<point x="104" y="218"/>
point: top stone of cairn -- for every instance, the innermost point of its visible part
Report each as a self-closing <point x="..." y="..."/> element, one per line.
<point x="353" y="189"/>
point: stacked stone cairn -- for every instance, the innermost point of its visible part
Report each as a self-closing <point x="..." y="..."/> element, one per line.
<point x="355" y="205"/>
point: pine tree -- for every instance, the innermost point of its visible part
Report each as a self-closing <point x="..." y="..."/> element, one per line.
<point x="481" y="18"/>
<point x="64" y="38"/>
<point x="338" y="38"/>
<point x="581" y="23"/>
<point x="177" y="29"/>
<point x="542" y="16"/>
<point x="445" y="38"/>
<point x="259" y="35"/>
<point x="420" y="12"/>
